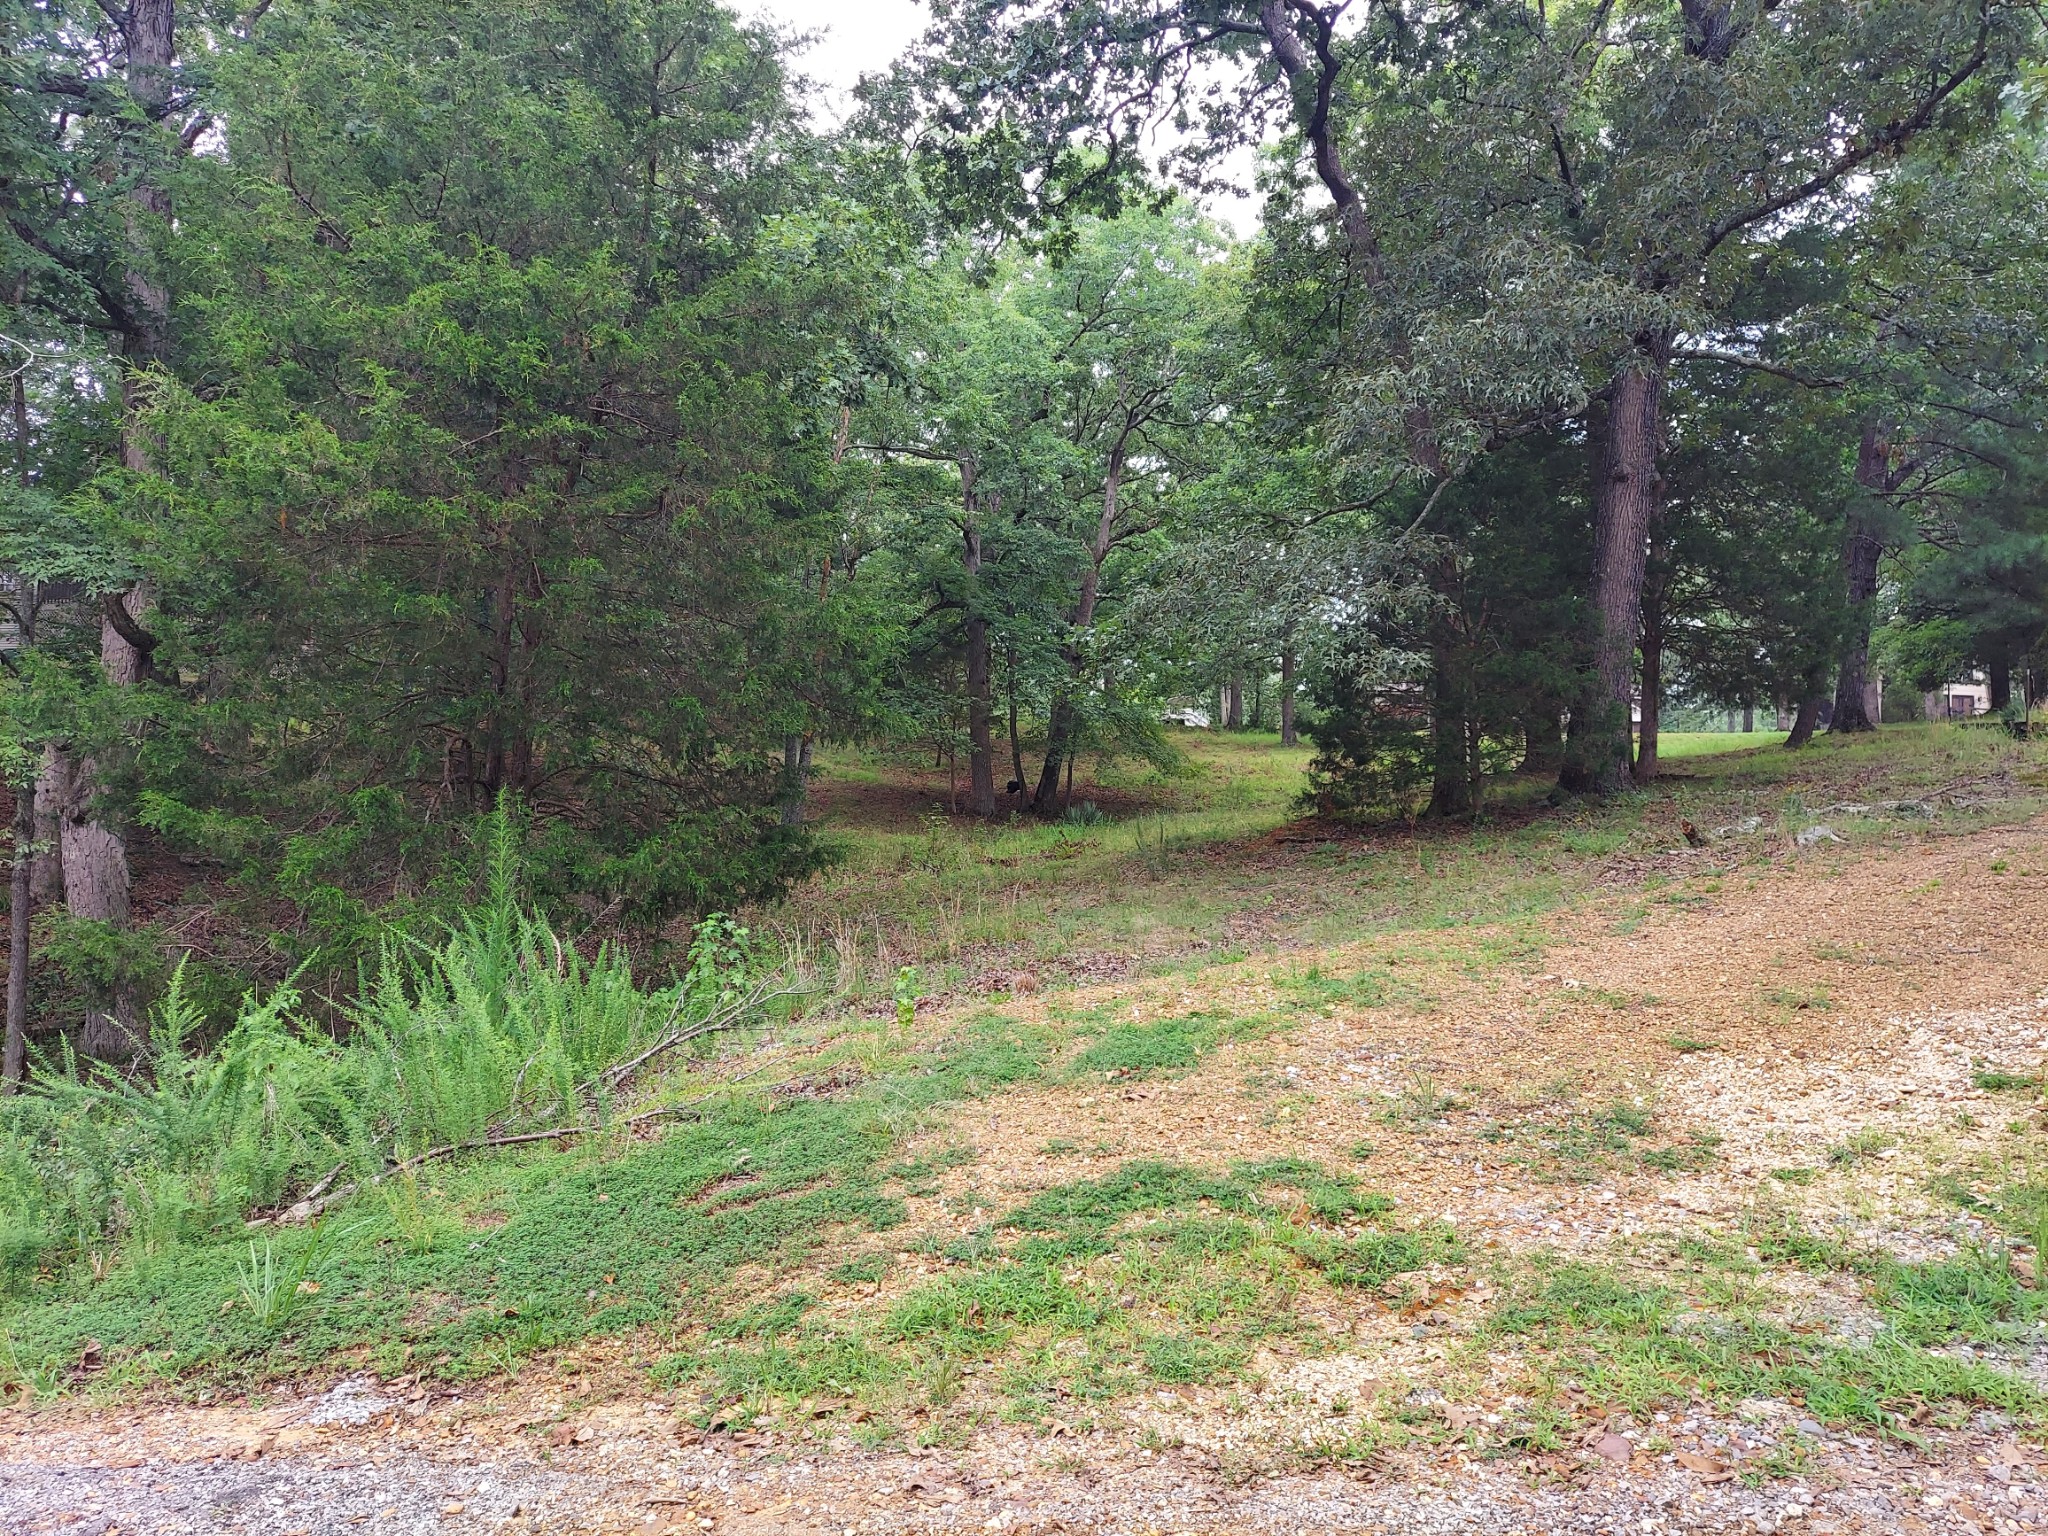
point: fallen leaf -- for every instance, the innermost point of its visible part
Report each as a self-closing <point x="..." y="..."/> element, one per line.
<point x="452" y="1507"/>
<point x="1461" y="1418"/>
<point x="1614" y="1448"/>
<point x="1709" y="1469"/>
<point x="2011" y="1454"/>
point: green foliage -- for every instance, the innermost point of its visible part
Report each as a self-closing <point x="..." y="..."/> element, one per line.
<point x="497" y="1027"/>
<point x="1164" y="1045"/>
<point x="544" y="1246"/>
<point x="1640" y="1347"/>
<point x="1047" y="1291"/>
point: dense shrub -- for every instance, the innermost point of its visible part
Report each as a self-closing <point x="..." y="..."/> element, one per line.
<point x="497" y="1026"/>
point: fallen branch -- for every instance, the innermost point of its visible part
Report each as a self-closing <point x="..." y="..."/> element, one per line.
<point x="724" y="1018"/>
<point x="315" y="1204"/>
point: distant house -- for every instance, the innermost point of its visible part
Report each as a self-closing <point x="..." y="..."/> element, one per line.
<point x="1960" y="700"/>
<point x="1193" y="716"/>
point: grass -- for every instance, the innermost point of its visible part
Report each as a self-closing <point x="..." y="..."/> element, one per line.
<point x="1130" y="1050"/>
<point x="529" y="1252"/>
<point x="1186" y="871"/>
<point x="1639" y="1347"/>
<point x="761" y="1246"/>
<point x="1155" y="1274"/>
<point x="1575" y="1145"/>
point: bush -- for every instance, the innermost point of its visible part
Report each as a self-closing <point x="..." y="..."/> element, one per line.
<point x="498" y="1026"/>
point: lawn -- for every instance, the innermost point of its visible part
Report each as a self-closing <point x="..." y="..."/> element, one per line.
<point x="810" y="1231"/>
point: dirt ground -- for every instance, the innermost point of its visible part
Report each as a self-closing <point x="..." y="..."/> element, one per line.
<point x="1782" y="1007"/>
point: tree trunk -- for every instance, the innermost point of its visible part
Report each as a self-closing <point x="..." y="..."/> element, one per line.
<point x="1288" y="735"/>
<point x="21" y="894"/>
<point x="1016" y="743"/>
<point x="96" y="890"/>
<point x="20" y="908"/>
<point x="1654" y="587"/>
<point x="1059" y="735"/>
<point x="90" y="846"/>
<point x="1804" y="722"/>
<point x="1233" y="703"/>
<point x="1629" y="492"/>
<point x="981" y="760"/>
<point x="1861" y="551"/>
<point x="1749" y="719"/>
<point x="1451" y="786"/>
<point x="46" y="870"/>
<point x="792" y="788"/>
<point x="1543" y="739"/>
<point x="1999" y="673"/>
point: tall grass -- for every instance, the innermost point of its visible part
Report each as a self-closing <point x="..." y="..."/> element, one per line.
<point x="495" y="1026"/>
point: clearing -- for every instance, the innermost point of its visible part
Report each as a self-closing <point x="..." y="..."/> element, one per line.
<point x="1234" y="1174"/>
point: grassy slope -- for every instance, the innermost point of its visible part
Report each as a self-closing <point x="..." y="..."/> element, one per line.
<point x="674" y="1241"/>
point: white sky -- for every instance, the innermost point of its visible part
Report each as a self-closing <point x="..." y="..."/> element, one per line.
<point x="858" y="37"/>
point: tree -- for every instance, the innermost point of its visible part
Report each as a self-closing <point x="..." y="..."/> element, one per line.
<point x="1606" y="231"/>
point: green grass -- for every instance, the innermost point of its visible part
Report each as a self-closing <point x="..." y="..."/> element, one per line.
<point x="1181" y="879"/>
<point x="525" y="1253"/>
<point x="1643" y="1346"/>
<point x="1155" y="1274"/>
<point x="1993" y="1081"/>
<point x="1677" y="746"/>
<point x="1127" y="1050"/>
<point x="1577" y="1145"/>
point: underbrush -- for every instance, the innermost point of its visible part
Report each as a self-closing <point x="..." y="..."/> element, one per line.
<point x="464" y="1270"/>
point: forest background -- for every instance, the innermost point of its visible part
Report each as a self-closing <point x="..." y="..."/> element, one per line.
<point x="453" y="433"/>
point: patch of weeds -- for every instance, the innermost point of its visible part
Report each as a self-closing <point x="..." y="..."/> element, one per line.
<point x="864" y="1269"/>
<point x="764" y="1319"/>
<point x="1973" y="1296"/>
<point x="1795" y="1175"/>
<point x="1992" y="1080"/>
<point x="1800" y="999"/>
<point x="1174" y="1360"/>
<point x="1373" y="987"/>
<point x="1688" y="1156"/>
<point x="1788" y="1458"/>
<point x="1576" y="1145"/>
<point x="1422" y="1102"/>
<point x="1865" y="1143"/>
<point x="1641" y="1347"/>
<point x="599" y="1240"/>
<point x="1060" y="1146"/>
<point x="1164" y="1045"/>
<point x="920" y="1169"/>
<point x="1154" y="1273"/>
<point x="1360" y="1151"/>
<point x="1686" y="1046"/>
